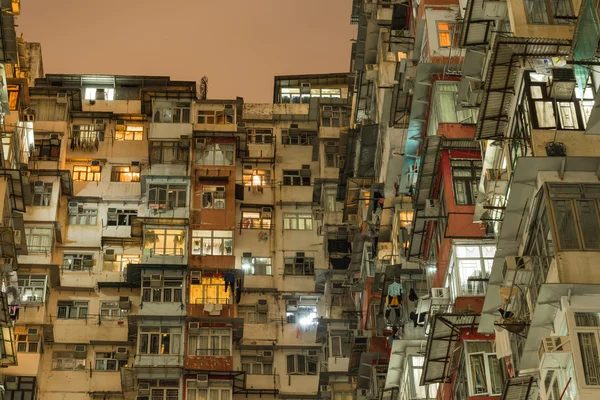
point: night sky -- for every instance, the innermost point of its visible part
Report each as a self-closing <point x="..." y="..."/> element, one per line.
<point x="239" y="44"/>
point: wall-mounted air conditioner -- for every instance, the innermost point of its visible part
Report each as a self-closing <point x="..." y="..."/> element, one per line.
<point x="61" y="98"/>
<point x="194" y="327"/>
<point x="80" y="351"/>
<point x="143" y="388"/>
<point x="202" y="381"/>
<point x="200" y="143"/>
<point x="109" y="254"/>
<point x="440" y="293"/>
<point x="73" y="207"/>
<point x="121" y="353"/>
<point x="266" y="212"/>
<point x="11" y="382"/>
<point x="155" y="280"/>
<point x="267" y="355"/>
<point x="124" y="303"/>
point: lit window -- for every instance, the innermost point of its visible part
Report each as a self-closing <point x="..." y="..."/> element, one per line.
<point x="99" y="94"/>
<point x="256" y="177"/>
<point x="215" y="154"/>
<point x="472" y="266"/>
<point x="256" y="365"/>
<point x="196" y="391"/>
<point x="299" y="265"/>
<point x="448" y="34"/>
<point x="129" y="132"/>
<point x="120" y="262"/>
<point x="46" y="149"/>
<point x="112" y="310"/>
<point x="33" y="288"/>
<point x="290" y="95"/>
<point x="208" y="289"/>
<point x="212" y="243"/>
<point x="13" y="97"/>
<point x="159" y="341"/>
<point x="301" y="222"/>
<point x="86" y="173"/>
<point x="213" y="197"/>
<point x="124" y="174"/>
<point x="256" y="265"/>
<point x="256" y="219"/>
<point x="167" y="196"/>
<point x="83" y="216"/>
<point x="165" y="242"/>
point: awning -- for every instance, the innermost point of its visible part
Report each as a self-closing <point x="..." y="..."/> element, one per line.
<point x="441" y="344"/>
<point x="520" y="388"/>
<point x="138" y="222"/>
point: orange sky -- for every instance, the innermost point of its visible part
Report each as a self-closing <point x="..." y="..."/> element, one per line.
<point x="239" y="44"/>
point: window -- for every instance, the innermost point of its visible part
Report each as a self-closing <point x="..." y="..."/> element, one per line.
<point x="159" y="289"/>
<point x="291" y="96"/>
<point x="33" y="288"/>
<point x="300" y="314"/>
<point x="210" y="342"/>
<point x="213" y="197"/>
<point x="257" y="265"/>
<point x="215" y="117"/>
<point x="332" y="157"/>
<point x="576" y="216"/>
<point x="485" y="373"/>
<point x="448" y="34"/>
<point x="196" y="391"/>
<point x="165" y="390"/>
<point x="72" y="309"/>
<point x="215" y="154"/>
<point x="212" y="243"/>
<point x="167" y="196"/>
<point x="251" y="315"/>
<point x="29" y="342"/>
<point x="159" y="340"/>
<point x="256" y="220"/>
<point x="78" y="262"/>
<point x="343" y="396"/>
<point x="111" y="310"/>
<point x="118" y="217"/>
<point x="25" y="387"/>
<point x="39" y="240"/>
<point x="208" y="290"/>
<point x="83" y="173"/>
<point x="67" y="361"/>
<point x="87" y="137"/>
<point x="336" y="346"/>
<point x="296" y="178"/>
<point x="99" y="94"/>
<point x="83" y="216"/>
<point x="551" y="13"/>
<point x="42" y="193"/>
<point x="299" y="265"/>
<point x="129" y="133"/>
<point x="331" y="203"/>
<point x="300" y="222"/>
<point x="176" y="114"/>
<point x="256" y="177"/>
<point x="299" y="364"/>
<point x="332" y="116"/>
<point x="588" y="328"/>
<point x="120" y="262"/>
<point x="260" y="136"/>
<point x="255" y="365"/>
<point x="296" y="137"/>
<point x="412" y="379"/>
<point x="474" y="262"/>
<point x="465" y="178"/>
<point x="327" y="93"/>
<point x="46" y="149"/>
<point x="108" y="362"/>
<point x="162" y="152"/>
<point x="124" y="174"/>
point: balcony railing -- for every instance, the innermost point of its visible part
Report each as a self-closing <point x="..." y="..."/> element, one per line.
<point x="212" y="352"/>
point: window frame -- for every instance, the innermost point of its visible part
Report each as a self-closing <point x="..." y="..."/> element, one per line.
<point x="485" y="357"/>
<point x="60" y="359"/>
<point x="303" y="360"/>
<point x="295" y="177"/>
<point x="159" y="155"/>
<point x="213" y="195"/>
<point x="292" y="267"/>
<point x="110" y="310"/>
<point x="260" y="222"/>
<point x="177" y="114"/>
<point x="208" y="156"/>
<point x="149" y="334"/>
<point x="167" y="292"/>
<point x="85" y="216"/>
<point x="128" y="134"/>
<point x="451" y="34"/>
<point x="44" y="196"/>
<point x="32" y="232"/>
<point x="87" y="173"/>
<point x="26" y="283"/>
<point x="215" y="235"/>
<point x="218" y="117"/>
<point x="167" y="195"/>
<point x="120" y="217"/>
<point x="251" y="362"/>
<point x="260" y="136"/>
<point x="470" y="183"/>
<point x="30" y="346"/>
<point x="207" y="286"/>
<point x="222" y="346"/>
<point x="121" y="258"/>
<point x="111" y="359"/>
<point x="249" y="265"/>
<point x="119" y="173"/>
<point x="263" y="176"/>
<point x="251" y="315"/>
<point x="295" y="137"/>
<point x="298" y="221"/>
<point x="79" y="262"/>
<point x="65" y="309"/>
<point x="46" y="149"/>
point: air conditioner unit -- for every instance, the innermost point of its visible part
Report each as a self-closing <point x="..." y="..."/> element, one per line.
<point x="200" y="143"/>
<point x="266" y="212"/>
<point x="556" y="346"/>
<point x="518" y="270"/>
<point x="262" y="306"/>
<point x="121" y="353"/>
<point x="241" y="124"/>
<point x="229" y="106"/>
<point x="80" y="351"/>
<point x="432" y="208"/>
<point x="54" y="136"/>
<point x="61" y="98"/>
<point x="202" y="381"/>
<point x="267" y="355"/>
<point x="327" y="108"/>
<point x="184" y="141"/>
<point x="11" y="382"/>
<point x="73" y="207"/>
<point x="291" y="305"/>
<point x="193" y="327"/>
<point x="38" y="187"/>
<point x="155" y="280"/>
<point x="318" y="215"/>
<point x="325" y="388"/>
<point x="95" y="163"/>
<point x="124" y="303"/>
<point x="144" y="388"/>
<point x="313" y="353"/>
<point x="305" y="85"/>
<point x="109" y="254"/>
<point x="29" y="117"/>
<point x="293" y="126"/>
<point x="33" y="335"/>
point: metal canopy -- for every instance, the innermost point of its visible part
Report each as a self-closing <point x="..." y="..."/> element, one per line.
<point x="441" y="344"/>
<point x="522" y="192"/>
<point x="66" y="183"/>
<point x="476" y="28"/>
<point x="501" y="76"/>
<point x="520" y="388"/>
<point x="18" y="188"/>
<point x="138" y="222"/>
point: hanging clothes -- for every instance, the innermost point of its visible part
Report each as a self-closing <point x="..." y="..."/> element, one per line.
<point x="229" y="280"/>
<point x="238" y="291"/>
<point x="412" y="296"/>
<point x="394" y="289"/>
<point x="502" y="340"/>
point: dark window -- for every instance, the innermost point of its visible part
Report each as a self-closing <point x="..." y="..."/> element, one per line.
<point x="465" y="179"/>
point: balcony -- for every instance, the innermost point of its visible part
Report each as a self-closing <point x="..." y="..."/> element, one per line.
<point x="209" y="360"/>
